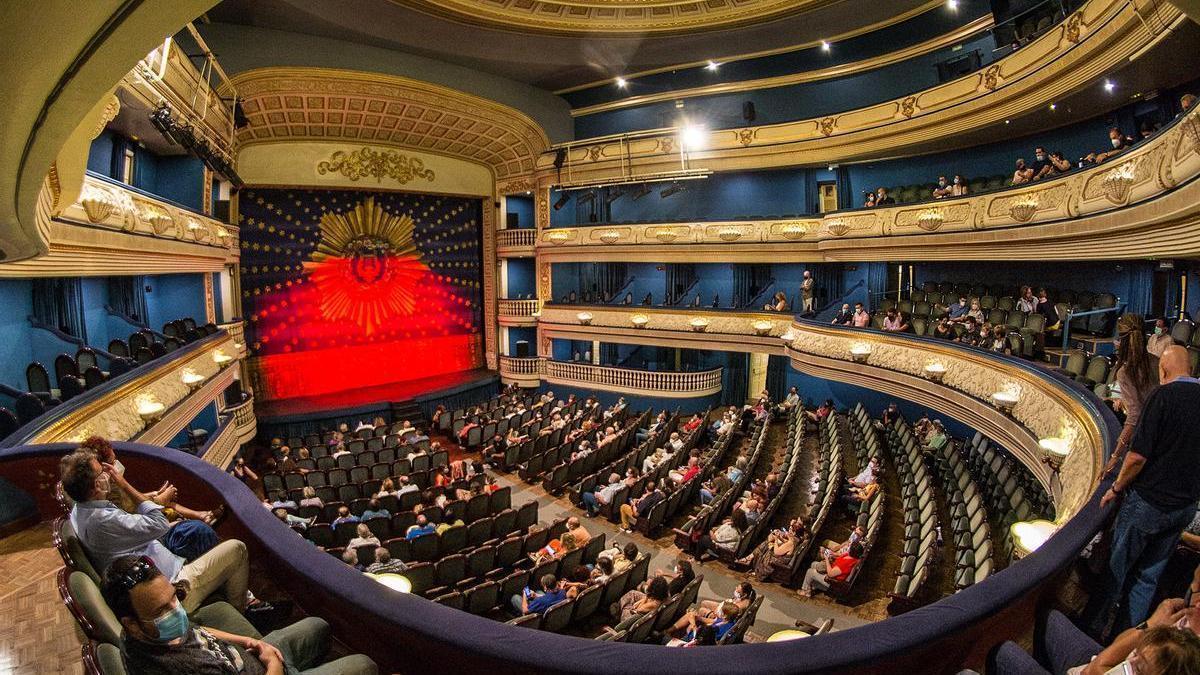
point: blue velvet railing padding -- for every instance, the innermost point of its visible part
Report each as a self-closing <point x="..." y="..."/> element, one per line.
<point x="185" y="352"/>
<point x="413" y="635"/>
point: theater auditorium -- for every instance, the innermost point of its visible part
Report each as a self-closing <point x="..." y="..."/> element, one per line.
<point x="607" y="336"/>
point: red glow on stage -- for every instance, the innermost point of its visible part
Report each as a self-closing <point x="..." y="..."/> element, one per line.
<point x="370" y="291"/>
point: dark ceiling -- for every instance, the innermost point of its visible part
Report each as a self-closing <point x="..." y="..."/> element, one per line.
<point x="547" y="61"/>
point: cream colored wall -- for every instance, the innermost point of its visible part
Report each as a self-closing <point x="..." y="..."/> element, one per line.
<point x="295" y="163"/>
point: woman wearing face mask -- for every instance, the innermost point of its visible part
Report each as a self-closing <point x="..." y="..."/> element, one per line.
<point x="1160" y="338"/>
<point x="1136" y="376"/>
<point x="958" y="187"/>
<point x="159" y="639"/>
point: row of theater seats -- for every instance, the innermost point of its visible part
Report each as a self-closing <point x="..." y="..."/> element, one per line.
<point x="920" y="192"/>
<point x="790" y="464"/>
<point x="652" y="627"/>
<point x="1012" y="494"/>
<point x="494" y="419"/>
<point x="715" y="511"/>
<point x="968" y="514"/>
<point x="842" y="438"/>
<point x="922" y="531"/>
<point x="554" y="467"/>
<point x="822" y="495"/>
<point x="528" y="455"/>
<point x="947" y="293"/>
<point x="1095" y="372"/>
<point x="679" y="497"/>
<point x="1025" y="332"/>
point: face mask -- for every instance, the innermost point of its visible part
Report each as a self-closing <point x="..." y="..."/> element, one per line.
<point x="1157" y="330"/>
<point x="172" y="625"/>
<point x="105" y="483"/>
<point x="957" y="181"/>
<point x="1116" y="142"/>
<point x="1041" y="158"/>
<point x="941" y="183"/>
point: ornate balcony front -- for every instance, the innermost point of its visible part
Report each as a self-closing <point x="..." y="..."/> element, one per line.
<point x="516" y="243"/>
<point x="243" y="414"/>
<point x="530" y="372"/>
<point x="524" y="372"/>
<point x="517" y="312"/>
<point x="685" y="327"/>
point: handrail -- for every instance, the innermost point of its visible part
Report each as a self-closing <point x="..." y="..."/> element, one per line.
<point x="517" y="308"/>
<point x="1117" y="309"/>
<point x="516" y="237"/>
<point x="634" y="379"/>
<point x="144" y="193"/>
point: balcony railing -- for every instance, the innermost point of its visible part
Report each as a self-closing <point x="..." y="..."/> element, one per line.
<point x="512" y="365"/>
<point x="632" y="381"/>
<point x="516" y="238"/>
<point x="223" y="445"/>
<point x="517" y="308"/>
<point x="243" y="415"/>
<point x="236" y="330"/>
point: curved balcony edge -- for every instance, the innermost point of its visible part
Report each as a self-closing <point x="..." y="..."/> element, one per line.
<point x="406" y="632"/>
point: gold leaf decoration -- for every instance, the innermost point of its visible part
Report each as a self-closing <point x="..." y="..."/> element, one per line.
<point x="377" y="164"/>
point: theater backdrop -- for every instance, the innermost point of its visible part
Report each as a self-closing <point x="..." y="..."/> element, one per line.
<point x="352" y="289"/>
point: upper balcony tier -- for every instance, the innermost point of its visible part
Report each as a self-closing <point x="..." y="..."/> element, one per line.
<point x="1142" y="203"/>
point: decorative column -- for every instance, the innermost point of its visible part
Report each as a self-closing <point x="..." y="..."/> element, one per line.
<point x="545" y="293"/>
<point x="489" y="283"/>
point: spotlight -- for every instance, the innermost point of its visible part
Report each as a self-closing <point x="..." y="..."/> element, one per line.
<point x="824" y="46"/>
<point x="712" y="65"/>
<point x="622" y="83"/>
<point x="562" y="201"/>
<point x="952" y="5"/>
<point x="641" y="192"/>
<point x="673" y="189"/>
<point x="1054" y="106"/>
<point x="692" y="137"/>
<point x="614" y="193"/>
<point x="1109" y="85"/>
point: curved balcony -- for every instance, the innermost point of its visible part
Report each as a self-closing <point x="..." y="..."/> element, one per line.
<point x="515" y="243"/>
<point x="685" y="327"/>
<point x="246" y="424"/>
<point x="523" y="372"/>
<point x="1100" y="36"/>
<point x="517" y="312"/>
<point x="1034" y="403"/>
<point x="1142" y="203"/>
<point x="529" y="372"/>
<point x="151" y="403"/>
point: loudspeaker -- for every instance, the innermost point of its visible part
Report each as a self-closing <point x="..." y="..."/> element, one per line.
<point x="522" y="349"/>
<point x="748" y="112"/>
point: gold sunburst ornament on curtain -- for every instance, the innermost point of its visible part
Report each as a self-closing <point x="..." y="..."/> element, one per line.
<point x="366" y="267"/>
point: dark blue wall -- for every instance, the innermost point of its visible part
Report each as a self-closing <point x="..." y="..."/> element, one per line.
<point x="522" y="206"/>
<point x="638" y="403"/>
<point x="527" y="334"/>
<point x="175" y="296"/>
<point x="177" y="178"/>
<point x="521" y="277"/>
<point x="1130" y="280"/>
<point x="15" y="331"/>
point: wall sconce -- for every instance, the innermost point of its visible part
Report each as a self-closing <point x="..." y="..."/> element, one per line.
<point x="788" y="335"/>
<point x="761" y="326"/>
<point x="1022" y="208"/>
<point x="860" y="352"/>
<point x="610" y="236"/>
<point x="584" y="318"/>
<point x="699" y="324"/>
<point x="729" y="234"/>
<point x="1054" y="450"/>
<point x="935" y="371"/>
<point x="639" y="320"/>
<point x="149" y="409"/>
<point x="191" y="378"/>
<point x="1006" y="399"/>
<point x="1028" y="536"/>
<point x="930" y="219"/>
<point x="221" y="358"/>
<point x="240" y="346"/>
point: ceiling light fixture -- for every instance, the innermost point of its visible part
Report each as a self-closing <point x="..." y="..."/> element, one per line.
<point x="692" y="136"/>
<point x="952" y="5"/>
<point x="1109" y="85"/>
<point x="622" y="83"/>
<point x="1053" y="106"/>
<point x="824" y="46"/>
<point x="713" y="65"/>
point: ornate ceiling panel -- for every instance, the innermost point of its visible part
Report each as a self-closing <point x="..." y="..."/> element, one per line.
<point x="614" y="17"/>
<point x="329" y="105"/>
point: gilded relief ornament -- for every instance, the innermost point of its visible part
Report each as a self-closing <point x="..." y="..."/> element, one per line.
<point x="991" y="77"/>
<point x="368" y="163"/>
<point x="827" y="126"/>
<point x="908" y="106"/>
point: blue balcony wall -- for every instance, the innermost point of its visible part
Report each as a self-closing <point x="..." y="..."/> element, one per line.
<point x="206" y="419"/>
<point x="177" y="178"/>
<point x="15" y="331"/>
<point x="520" y="206"/>
<point x="517" y="334"/>
<point x="521" y="281"/>
<point x="175" y="296"/>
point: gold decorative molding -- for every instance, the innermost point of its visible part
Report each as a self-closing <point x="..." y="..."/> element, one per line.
<point x="1110" y="32"/>
<point x="1104" y="208"/>
<point x="368" y="163"/>
<point x="328" y="104"/>
<point x="843" y="70"/>
<point x="614" y="17"/>
<point x="1044" y="408"/>
<point x="666" y="326"/>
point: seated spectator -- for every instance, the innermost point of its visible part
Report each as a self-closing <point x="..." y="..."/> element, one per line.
<point x="640" y="507"/>
<point x="765" y="490"/>
<point x="675" y="442"/>
<point x="403" y="486"/>
<point x="185" y="551"/>
<point x="1041" y="166"/>
<point x="844" y="317"/>
<point x="895" y="322"/>
<point x="711" y="489"/>
<point x="577" y="530"/>
<point x="622" y="557"/>
<point x="421" y="527"/>
<point x="832" y="548"/>
<point x="107" y="455"/>
<point x="686" y="472"/>
<point x="820" y="575"/>
<point x="385" y="564"/>
<point x="679" y="576"/>
<point x="350" y="557"/>
<point x="1000" y="341"/>
<point x="344" y="516"/>
<point x="1023" y="174"/>
<point x="1185" y="103"/>
<point x="776" y="553"/>
<point x="375" y="510"/>
<point x="708" y="611"/>
<point x="867" y="475"/>
<point x="654" y="460"/>
<point x="555" y="548"/>
<point x="752" y="510"/>
<point x="943" y="188"/>
<point x="339" y="450"/>
<point x="817" y="416"/>
<point x="1059" y="164"/>
<point x="869" y="200"/>
<point x="862" y="319"/>
<point x="790" y="402"/>
<point x="291" y="520"/>
<point x="958" y="186"/>
<point x="637" y="603"/>
<point x="856" y="496"/>
<point x="530" y="602"/>
<point x="725" y="536"/>
<point x="243" y="472"/>
<point x="694" y="423"/>
<point x="937" y="438"/>
<point x="1160" y="338"/>
<point x="309" y="497"/>
<point x="364" y="537"/>
<point x="882" y="198"/>
<point x="1119" y="142"/>
<point x="602" y="570"/>
<point x="738" y="469"/>
<point x="159" y="638"/>
<point x="593" y="500"/>
<point x="944" y="330"/>
<point x="976" y="311"/>
<point x="778" y="303"/>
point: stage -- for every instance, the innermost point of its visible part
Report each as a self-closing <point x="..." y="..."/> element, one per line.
<point x="363" y="403"/>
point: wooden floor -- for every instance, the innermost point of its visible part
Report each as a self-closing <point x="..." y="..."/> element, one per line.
<point x="37" y="633"/>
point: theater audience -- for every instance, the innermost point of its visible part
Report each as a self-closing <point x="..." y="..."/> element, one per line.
<point x="1119" y="142"/>
<point x="593" y="500"/>
<point x="635" y="603"/>
<point x="1158" y="493"/>
<point x="1160" y="339"/>
<point x="820" y="575"/>
<point x="531" y="602"/>
<point x="344" y="516"/>
<point x="374" y="510"/>
<point x="158" y="637"/>
<point x="777" y="552"/>
<point x="640" y="507"/>
<point x="419" y="528"/>
<point x="1023" y="174"/>
<point x="844" y="317"/>
<point x="363" y="537"/>
<point x="108" y="533"/>
<point x="895" y="322"/>
<point x="385" y="564"/>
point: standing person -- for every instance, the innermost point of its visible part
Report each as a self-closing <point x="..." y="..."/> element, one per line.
<point x="1135" y="377"/>
<point x="1158" y="489"/>
<point x="806" y="291"/>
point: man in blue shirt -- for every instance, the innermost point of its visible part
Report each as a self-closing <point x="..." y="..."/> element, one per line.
<point x="107" y="532"/>
<point x="423" y="526"/>
<point x="959" y="309"/>
<point x="537" y="603"/>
